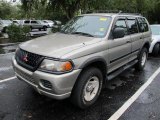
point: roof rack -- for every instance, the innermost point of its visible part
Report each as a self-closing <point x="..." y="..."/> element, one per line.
<point x="130" y="14"/>
<point x="111" y="11"/>
<point x="102" y="11"/>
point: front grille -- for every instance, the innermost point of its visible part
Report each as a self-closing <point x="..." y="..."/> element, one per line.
<point x="28" y="60"/>
<point x="24" y="75"/>
<point x="46" y="84"/>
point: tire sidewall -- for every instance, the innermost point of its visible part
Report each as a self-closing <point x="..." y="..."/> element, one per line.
<point x="88" y="103"/>
<point x="156" y="49"/>
<point x="80" y="86"/>
<point x="140" y="58"/>
<point x="45" y="28"/>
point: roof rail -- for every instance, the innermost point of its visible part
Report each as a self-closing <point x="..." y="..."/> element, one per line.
<point x="119" y="12"/>
<point x="130" y="14"/>
<point x="102" y="11"/>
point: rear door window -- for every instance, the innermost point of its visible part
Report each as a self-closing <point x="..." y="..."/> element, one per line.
<point x="34" y="22"/>
<point x="132" y="26"/>
<point x="143" y="26"/>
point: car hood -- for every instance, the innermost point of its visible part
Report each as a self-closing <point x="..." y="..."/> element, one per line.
<point x="58" y="44"/>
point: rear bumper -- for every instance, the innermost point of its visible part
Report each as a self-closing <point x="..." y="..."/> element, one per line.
<point x="61" y="84"/>
<point x="152" y="46"/>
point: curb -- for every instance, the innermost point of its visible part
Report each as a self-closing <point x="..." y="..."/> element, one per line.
<point x="9" y="44"/>
<point x="7" y="54"/>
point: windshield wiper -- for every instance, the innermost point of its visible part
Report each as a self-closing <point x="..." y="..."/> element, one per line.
<point x="81" y="33"/>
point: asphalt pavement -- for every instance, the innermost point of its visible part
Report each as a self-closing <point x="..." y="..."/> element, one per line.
<point x="18" y="101"/>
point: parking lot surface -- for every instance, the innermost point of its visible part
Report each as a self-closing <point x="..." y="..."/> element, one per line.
<point x="18" y="101"/>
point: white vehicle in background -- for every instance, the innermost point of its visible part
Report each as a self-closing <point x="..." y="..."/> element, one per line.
<point x="49" y="22"/>
<point x="155" y="45"/>
<point x="35" y="24"/>
<point x="4" y="24"/>
<point x="16" y="22"/>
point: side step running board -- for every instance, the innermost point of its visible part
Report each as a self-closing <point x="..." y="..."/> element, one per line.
<point x="120" y="70"/>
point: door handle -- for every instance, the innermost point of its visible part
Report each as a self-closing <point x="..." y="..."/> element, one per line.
<point x="128" y="42"/>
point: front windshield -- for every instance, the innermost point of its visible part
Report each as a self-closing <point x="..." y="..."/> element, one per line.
<point x="96" y="26"/>
<point x="155" y="30"/>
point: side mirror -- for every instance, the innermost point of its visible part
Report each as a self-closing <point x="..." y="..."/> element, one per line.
<point x="118" y="33"/>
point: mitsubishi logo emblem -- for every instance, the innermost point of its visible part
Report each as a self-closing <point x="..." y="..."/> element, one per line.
<point x="25" y="58"/>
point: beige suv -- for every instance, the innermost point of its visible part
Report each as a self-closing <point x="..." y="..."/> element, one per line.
<point x="89" y="50"/>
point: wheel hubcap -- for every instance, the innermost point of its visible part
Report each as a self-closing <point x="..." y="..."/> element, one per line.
<point x="91" y="88"/>
<point x="144" y="57"/>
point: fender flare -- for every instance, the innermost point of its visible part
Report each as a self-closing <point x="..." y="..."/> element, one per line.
<point x="92" y="60"/>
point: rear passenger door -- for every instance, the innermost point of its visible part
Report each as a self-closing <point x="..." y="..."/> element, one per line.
<point x="136" y="37"/>
<point x="34" y="24"/>
<point x="119" y="48"/>
<point x="144" y="28"/>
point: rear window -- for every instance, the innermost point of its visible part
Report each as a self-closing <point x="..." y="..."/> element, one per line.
<point x="34" y="22"/>
<point x="143" y="26"/>
<point x="27" y="21"/>
<point x="155" y="29"/>
<point x="132" y="26"/>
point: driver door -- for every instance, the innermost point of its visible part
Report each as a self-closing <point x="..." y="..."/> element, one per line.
<point x="119" y="48"/>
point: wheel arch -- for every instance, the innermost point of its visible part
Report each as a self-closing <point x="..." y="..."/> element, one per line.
<point x="97" y="62"/>
<point x="146" y="45"/>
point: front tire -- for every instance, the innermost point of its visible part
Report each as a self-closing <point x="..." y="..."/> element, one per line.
<point x="142" y="58"/>
<point x="87" y="88"/>
<point x="156" y="49"/>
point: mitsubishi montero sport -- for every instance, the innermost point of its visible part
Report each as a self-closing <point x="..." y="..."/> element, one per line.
<point x="89" y="50"/>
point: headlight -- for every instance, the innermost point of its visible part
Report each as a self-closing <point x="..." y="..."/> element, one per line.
<point x="56" y="66"/>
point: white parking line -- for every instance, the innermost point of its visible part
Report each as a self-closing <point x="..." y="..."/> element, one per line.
<point x="8" y="79"/>
<point x="127" y="104"/>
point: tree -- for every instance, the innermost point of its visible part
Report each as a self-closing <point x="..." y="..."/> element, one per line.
<point x="7" y="11"/>
<point x="70" y="7"/>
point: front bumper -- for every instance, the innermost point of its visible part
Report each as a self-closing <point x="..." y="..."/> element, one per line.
<point x="61" y="84"/>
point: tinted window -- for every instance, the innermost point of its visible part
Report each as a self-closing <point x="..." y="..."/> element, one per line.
<point x="34" y="22"/>
<point x="143" y="26"/>
<point x="96" y="26"/>
<point x="27" y="21"/>
<point x="121" y="24"/>
<point x="132" y="26"/>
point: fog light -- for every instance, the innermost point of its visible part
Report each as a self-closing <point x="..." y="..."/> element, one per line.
<point x="46" y="84"/>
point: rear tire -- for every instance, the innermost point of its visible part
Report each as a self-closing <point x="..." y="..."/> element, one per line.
<point x="45" y="28"/>
<point x="142" y="58"/>
<point x="31" y="28"/>
<point x="4" y="30"/>
<point x="87" y="88"/>
<point x="156" y="49"/>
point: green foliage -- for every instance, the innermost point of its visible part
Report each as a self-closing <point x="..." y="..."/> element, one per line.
<point x="7" y="11"/>
<point x="18" y="33"/>
<point x="64" y="10"/>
